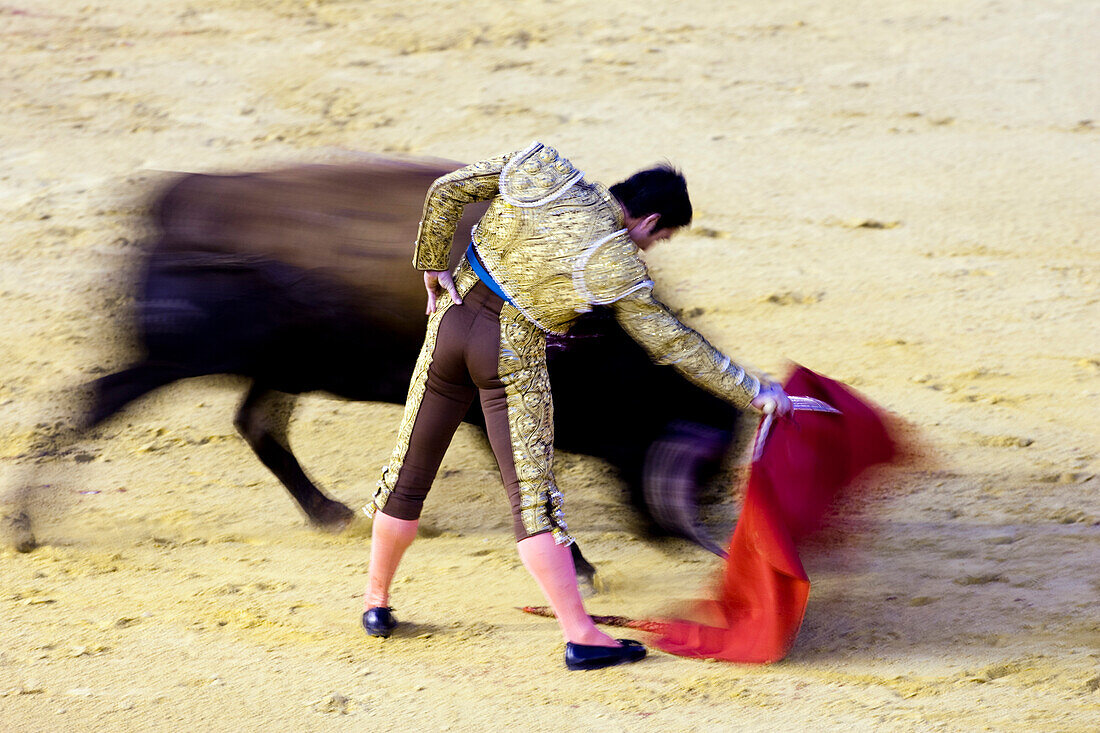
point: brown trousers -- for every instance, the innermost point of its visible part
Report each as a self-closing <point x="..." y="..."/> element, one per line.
<point x="467" y="361"/>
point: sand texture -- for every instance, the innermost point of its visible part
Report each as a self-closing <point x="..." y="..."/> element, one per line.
<point x="900" y="195"/>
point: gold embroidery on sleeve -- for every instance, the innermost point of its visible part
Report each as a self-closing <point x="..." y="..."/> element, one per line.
<point x="443" y="209"/>
<point x="668" y="341"/>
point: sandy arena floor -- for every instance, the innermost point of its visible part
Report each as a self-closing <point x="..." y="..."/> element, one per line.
<point x="902" y="195"/>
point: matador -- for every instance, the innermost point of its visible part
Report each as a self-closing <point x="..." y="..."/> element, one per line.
<point x="550" y="247"/>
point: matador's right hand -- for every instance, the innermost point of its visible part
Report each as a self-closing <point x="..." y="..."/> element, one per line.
<point x="435" y="282"/>
<point x="771" y="399"/>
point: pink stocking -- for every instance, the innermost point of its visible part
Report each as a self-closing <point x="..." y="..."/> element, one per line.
<point x="390" y="537"/>
<point x="551" y="565"/>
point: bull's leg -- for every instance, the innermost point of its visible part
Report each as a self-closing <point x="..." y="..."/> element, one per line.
<point x="113" y="392"/>
<point x="263" y="419"/>
<point x="104" y="398"/>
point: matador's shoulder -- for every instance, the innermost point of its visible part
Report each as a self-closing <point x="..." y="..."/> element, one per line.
<point x="536" y="176"/>
<point x="611" y="269"/>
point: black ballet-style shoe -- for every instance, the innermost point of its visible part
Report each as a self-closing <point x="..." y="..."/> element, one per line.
<point x="379" y="621"/>
<point x="587" y="656"/>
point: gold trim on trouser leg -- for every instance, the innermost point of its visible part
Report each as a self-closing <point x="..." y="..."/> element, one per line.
<point x="465" y="279"/>
<point x="522" y="369"/>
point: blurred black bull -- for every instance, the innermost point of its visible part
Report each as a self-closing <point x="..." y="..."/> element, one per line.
<point x="300" y="280"/>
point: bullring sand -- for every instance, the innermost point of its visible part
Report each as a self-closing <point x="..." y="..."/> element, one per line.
<point x="900" y="195"/>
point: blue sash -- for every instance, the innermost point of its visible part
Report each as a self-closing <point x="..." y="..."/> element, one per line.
<point x="483" y="274"/>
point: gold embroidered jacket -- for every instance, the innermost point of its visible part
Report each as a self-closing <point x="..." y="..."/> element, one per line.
<point x="556" y="245"/>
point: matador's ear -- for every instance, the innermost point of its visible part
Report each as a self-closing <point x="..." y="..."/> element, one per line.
<point x="650" y="222"/>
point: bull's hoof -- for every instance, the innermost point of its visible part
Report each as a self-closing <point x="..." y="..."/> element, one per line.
<point x="587" y="580"/>
<point x="18" y="533"/>
<point x="333" y="517"/>
<point x="589" y="584"/>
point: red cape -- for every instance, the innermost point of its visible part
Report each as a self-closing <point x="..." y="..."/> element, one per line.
<point x="802" y="465"/>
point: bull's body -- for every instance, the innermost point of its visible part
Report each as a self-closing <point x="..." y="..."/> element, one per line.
<point x="300" y="280"/>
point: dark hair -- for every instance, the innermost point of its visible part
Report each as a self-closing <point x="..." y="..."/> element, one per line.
<point x="661" y="190"/>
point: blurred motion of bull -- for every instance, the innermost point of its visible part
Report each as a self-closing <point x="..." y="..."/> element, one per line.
<point x="301" y="280"/>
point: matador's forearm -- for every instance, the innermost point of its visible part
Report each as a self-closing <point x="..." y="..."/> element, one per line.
<point x="443" y="209"/>
<point x="668" y="341"/>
